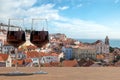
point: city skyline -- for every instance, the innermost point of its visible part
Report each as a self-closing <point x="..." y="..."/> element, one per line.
<point x="91" y="19"/>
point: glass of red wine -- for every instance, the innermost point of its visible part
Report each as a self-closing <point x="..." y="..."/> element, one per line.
<point x="16" y="37"/>
<point x="39" y="37"/>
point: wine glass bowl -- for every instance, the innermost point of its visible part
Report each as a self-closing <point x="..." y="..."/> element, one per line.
<point x="16" y="38"/>
<point x="39" y="35"/>
<point x="39" y="38"/>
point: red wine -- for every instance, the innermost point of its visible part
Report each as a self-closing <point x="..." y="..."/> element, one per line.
<point x="16" y="38"/>
<point x="39" y="38"/>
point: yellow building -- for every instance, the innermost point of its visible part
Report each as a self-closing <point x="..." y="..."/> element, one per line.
<point x="84" y="52"/>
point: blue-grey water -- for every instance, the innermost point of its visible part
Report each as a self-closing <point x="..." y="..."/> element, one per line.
<point x="113" y="42"/>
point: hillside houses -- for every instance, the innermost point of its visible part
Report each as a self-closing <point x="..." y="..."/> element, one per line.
<point x="60" y="49"/>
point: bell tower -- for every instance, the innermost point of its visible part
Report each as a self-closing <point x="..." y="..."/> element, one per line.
<point x="107" y="40"/>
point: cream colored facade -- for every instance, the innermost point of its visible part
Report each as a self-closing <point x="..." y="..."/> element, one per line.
<point x="84" y="52"/>
<point x="9" y="61"/>
<point x="101" y="48"/>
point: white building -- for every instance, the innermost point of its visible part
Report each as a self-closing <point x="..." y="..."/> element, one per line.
<point x="102" y="47"/>
<point x="48" y="59"/>
<point x="9" y="61"/>
<point x="6" y="48"/>
<point x="44" y="59"/>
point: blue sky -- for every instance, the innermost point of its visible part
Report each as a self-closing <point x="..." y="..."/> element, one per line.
<point x="76" y="18"/>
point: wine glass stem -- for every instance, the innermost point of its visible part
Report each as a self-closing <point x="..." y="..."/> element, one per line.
<point x="16" y="56"/>
<point x="39" y="62"/>
<point x="39" y="59"/>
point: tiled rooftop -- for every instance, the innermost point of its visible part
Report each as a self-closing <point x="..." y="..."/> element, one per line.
<point x="69" y="63"/>
<point x="3" y="57"/>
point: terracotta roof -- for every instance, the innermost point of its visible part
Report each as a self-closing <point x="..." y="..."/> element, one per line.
<point x="100" y="56"/>
<point x="28" y="60"/>
<point x="20" y="49"/>
<point x="31" y="47"/>
<point x="54" y="64"/>
<point x="3" y="57"/>
<point x="51" y="64"/>
<point x="69" y="63"/>
<point x="54" y="54"/>
<point x="43" y="54"/>
<point x="19" y="62"/>
<point x="32" y="54"/>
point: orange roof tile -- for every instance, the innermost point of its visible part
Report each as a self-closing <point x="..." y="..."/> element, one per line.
<point x="31" y="47"/>
<point x="100" y="56"/>
<point x="54" y="54"/>
<point x="3" y="57"/>
<point x="19" y="62"/>
<point x="69" y="63"/>
<point x="32" y="54"/>
<point x="44" y="54"/>
<point x="28" y="60"/>
<point x="51" y="64"/>
<point x="20" y="49"/>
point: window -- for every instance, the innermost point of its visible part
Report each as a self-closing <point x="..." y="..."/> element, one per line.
<point x="34" y="59"/>
<point x="8" y="62"/>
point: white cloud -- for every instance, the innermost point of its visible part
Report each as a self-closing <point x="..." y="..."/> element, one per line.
<point x="76" y="28"/>
<point x="63" y="8"/>
<point x="116" y="1"/>
<point x="13" y="8"/>
<point x="25" y="9"/>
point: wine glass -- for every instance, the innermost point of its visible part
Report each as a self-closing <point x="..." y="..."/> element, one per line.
<point x="16" y="37"/>
<point x="39" y="36"/>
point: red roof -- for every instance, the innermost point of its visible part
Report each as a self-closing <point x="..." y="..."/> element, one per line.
<point x="3" y="57"/>
<point x="69" y="63"/>
<point x="31" y="47"/>
<point x="19" y="62"/>
<point x="43" y="54"/>
<point x="32" y="54"/>
<point x="54" y="54"/>
<point x="100" y="56"/>
<point x="28" y="60"/>
<point x="51" y="64"/>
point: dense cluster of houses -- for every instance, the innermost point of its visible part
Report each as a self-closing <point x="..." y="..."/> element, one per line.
<point x="60" y="51"/>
